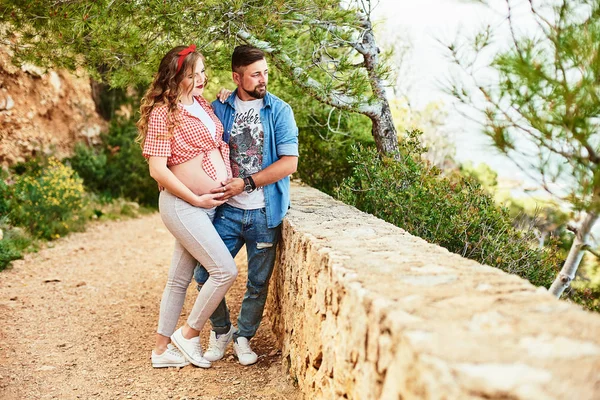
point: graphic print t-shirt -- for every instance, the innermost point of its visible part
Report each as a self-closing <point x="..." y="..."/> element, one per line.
<point x="246" y="150"/>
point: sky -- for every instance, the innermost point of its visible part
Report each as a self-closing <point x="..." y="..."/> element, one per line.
<point x="427" y="22"/>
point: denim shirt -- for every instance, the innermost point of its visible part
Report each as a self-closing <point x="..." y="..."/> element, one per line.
<point x="281" y="139"/>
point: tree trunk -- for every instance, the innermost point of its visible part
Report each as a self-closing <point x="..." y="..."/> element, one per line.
<point x="384" y="131"/>
<point x="378" y="110"/>
<point x="569" y="269"/>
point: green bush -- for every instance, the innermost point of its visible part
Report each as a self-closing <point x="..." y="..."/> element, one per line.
<point x="48" y="202"/>
<point x="33" y="166"/>
<point x="90" y="166"/>
<point x="47" y="199"/>
<point x="587" y="297"/>
<point x="324" y="156"/>
<point x="13" y="242"/>
<point x="116" y="168"/>
<point x="452" y="211"/>
<point x="8" y="253"/>
<point x="585" y="289"/>
<point x="4" y="194"/>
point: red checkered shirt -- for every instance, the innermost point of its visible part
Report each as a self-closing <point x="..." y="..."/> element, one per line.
<point x="190" y="138"/>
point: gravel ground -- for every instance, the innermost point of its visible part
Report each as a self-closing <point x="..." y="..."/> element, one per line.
<point x="77" y="321"/>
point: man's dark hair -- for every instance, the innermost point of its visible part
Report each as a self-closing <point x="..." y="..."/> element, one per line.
<point x="245" y="55"/>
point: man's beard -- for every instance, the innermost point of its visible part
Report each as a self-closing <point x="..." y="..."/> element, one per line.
<point x="259" y="92"/>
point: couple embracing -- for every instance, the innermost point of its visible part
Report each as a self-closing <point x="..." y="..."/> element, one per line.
<point x="225" y="172"/>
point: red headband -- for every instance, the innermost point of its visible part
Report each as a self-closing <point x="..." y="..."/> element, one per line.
<point x="183" y="54"/>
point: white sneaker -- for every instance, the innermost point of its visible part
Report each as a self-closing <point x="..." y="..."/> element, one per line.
<point x="217" y="345"/>
<point x="171" y="357"/>
<point x="190" y="348"/>
<point x="244" y="353"/>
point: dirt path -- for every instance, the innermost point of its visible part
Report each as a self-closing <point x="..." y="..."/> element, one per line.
<point x="77" y="321"/>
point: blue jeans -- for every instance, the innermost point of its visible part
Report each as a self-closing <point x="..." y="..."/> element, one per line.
<point x="238" y="227"/>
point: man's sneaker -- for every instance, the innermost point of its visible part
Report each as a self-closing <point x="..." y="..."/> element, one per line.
<point x="190" y="348"/>
<point x="244" y="353"/>
<point x="217" y="344"/>
<point x="171" y="357"/>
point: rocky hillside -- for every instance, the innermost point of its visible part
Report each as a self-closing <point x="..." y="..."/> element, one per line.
<point x="43" y="111"/>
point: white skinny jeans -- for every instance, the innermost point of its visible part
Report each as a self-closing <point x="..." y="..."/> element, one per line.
<point x="196" y="240"/>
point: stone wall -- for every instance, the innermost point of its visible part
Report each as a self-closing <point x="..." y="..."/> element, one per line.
<point x="364" y="310"/>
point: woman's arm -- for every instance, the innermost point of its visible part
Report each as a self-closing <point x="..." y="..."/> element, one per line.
<point x="165" y="178"/>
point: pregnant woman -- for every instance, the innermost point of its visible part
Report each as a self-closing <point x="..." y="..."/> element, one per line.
<point x="182" y="139"/>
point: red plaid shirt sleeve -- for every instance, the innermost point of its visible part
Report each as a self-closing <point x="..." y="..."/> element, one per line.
<point x="157" y="143"/>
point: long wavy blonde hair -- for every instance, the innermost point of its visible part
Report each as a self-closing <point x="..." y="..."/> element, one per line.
<point x="165" y="90"/>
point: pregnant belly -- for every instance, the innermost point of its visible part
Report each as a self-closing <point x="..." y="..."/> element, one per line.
<point x="192" y="175"/>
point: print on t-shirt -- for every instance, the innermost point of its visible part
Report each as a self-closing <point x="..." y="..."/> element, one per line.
<point x="246" y="142"/>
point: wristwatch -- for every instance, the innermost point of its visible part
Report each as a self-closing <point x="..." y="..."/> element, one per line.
<point x="249" y="184"/>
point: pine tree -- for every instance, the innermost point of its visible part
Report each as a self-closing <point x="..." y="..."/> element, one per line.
<point x="543" y="109"/>
<point x="325" y="47"/>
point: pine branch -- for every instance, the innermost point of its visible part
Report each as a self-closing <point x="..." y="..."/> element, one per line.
<point x="587" y="247"/>
<point x="315" y="88"/>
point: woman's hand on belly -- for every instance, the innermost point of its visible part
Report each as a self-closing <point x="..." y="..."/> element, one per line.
<point x="209" y="200"/>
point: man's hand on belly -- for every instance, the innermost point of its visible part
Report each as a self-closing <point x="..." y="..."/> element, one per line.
<point x="231" y="187"/>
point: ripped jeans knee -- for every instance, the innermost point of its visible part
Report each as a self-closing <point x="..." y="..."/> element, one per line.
<point x="263" y="245"/>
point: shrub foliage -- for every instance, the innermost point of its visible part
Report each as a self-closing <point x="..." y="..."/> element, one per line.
<point x="116" y="168"/>
<point x="14" y="242"/>
<point x="452" y="211"/>
<point x="49" y="202"/>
